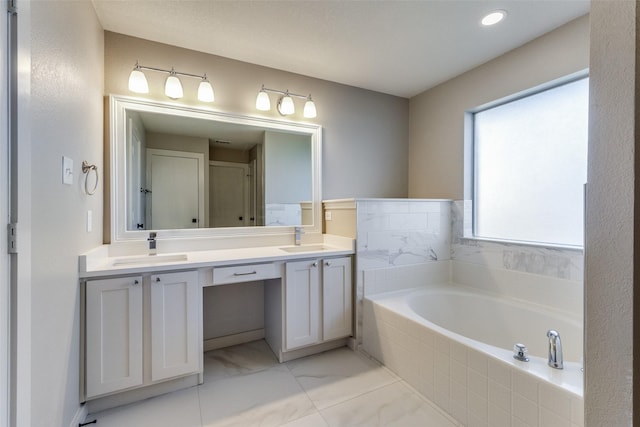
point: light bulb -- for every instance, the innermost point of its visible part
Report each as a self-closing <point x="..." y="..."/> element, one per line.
<point x="285" y="106"/>
<point x="138" y="81"/>
<point x="309" y="108"/>
<point x="205" y="91"/>
<point x="173" y="87"/>
<point x="262" y="101"/>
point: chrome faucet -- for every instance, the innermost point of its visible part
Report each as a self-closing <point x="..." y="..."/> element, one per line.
<point x="555" y="349"/>
<point x="152" y="243"/>
<point x="298" y="231"/>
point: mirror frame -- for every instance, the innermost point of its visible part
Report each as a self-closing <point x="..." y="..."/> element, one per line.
<point x="118" y="105"/>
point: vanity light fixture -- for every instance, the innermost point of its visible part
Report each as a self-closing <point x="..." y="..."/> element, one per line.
<point x="285" y="104"/>
<point x="173" y="85"/>
<point x="493" y="17"/>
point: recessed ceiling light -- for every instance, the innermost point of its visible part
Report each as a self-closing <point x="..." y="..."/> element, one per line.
<point x="493" y="17"/>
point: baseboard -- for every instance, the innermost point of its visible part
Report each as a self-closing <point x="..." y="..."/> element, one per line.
<point x="235" y="339"/>
<point x="314" y="349"/>
<point x="80" y="416"/>
<point x="140" y="393"/>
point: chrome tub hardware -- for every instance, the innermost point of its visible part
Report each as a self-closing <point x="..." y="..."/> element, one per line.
<point x="555" y="349"/>
<point x="520" y="352"/>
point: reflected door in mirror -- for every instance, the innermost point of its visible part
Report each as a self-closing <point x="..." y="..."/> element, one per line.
<point x="229" y="194"/>
<point x="177" y="191"/>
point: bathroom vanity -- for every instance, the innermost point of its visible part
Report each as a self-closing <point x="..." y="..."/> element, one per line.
<point x="142" y="327"/>
<point x="142" y="315"/>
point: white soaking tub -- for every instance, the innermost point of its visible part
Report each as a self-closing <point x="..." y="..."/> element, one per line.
<point x="455" y="346"/>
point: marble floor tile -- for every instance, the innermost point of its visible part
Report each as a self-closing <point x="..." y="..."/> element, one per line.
<point x="270" y="397"/>
<point x="238" y="360"/>
<point x="180" y="408"/>
<point x="335" y="376"/>
<point x="392" y="405"/>
<point x="313" y="420"/>
<point x="245" y="386"/>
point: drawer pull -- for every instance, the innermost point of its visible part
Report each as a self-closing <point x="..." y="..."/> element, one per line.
<point x="245" y="274"/>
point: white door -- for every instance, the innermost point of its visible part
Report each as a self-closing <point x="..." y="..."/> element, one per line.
<point x="175" y="319"/>
<point x="336" y="298"/>
<point x="113" y="335"/>
<point x="176" y="181"/>
<point x="229" y="194"/>
<point x="302" y="303"/>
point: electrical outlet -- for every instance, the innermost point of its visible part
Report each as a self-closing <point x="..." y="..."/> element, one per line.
<point x="327" y="216"/>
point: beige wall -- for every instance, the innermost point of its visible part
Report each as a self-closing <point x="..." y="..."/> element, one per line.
<point x="436" y="133"/>
<point x="66" y="110"/>
<point x="611" y="319"/>
<point x="365" y="133"/>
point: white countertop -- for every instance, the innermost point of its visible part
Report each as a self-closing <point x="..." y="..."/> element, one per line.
<point x="97" y="263"/>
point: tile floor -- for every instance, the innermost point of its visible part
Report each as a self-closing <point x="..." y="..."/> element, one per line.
<point x="246" y="386"/>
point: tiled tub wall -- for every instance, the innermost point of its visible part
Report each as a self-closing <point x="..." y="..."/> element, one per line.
<point x="475" y="389"/>
<point x="401" y="243"/>
<point x="556" y="263"/>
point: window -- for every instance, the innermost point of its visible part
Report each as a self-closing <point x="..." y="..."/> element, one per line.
<point x="530" y="166"/>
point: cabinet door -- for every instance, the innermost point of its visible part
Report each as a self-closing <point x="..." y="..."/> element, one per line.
<point x="336" y="298"/>
<point x="174" y="324"/>
<point x="302" y="303"/>
<point x="113" y="335"/>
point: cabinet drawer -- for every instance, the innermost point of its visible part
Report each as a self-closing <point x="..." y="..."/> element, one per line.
<point x="246" y="273"/>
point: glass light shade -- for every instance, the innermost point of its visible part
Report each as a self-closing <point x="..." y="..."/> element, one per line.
<point x="205" y="91"/>
<point x="262" y="101"/>
<point x="138" y="82"/>
<point x="286" y="105"/>
<point x="310" y="109"/>
<point x="173" y="87"/>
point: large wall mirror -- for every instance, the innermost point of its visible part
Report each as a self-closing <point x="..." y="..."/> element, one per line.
<point x="194" y="172"/>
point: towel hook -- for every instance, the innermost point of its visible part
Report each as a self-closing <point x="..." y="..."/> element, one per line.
<point x="86" y="168"/>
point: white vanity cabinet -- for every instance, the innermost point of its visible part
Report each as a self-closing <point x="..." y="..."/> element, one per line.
<point x="302" y="303"/>
<point x="113" y="335"/>
<point x="312" y="306"/>
<point x="337" y="303"/>
<point x="140" y="330"/>
<point x="174" y="324"/>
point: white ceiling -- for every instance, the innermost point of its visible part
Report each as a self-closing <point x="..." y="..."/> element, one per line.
<point x="396" y="47"/>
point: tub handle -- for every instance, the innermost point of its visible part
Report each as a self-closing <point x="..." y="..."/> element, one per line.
<point x="520" y="352"/>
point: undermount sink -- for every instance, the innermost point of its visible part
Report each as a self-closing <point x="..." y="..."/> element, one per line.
<point x="150" y="259"/>
<point x="304" y="248"/>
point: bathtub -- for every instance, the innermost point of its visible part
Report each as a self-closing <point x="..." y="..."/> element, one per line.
<point x="454" y="345"/>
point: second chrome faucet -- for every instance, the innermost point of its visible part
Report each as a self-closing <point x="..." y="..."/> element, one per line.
<point x="555" y="349"/>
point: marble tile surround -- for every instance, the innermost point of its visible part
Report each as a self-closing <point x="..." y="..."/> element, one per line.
<point x="559" y="263"/>
<point x="407" y="239"/>
<point x="406" y="243"/>
<point x="245" y="387"/>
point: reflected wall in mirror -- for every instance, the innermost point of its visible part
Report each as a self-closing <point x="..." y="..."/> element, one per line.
<point x="192" y="171"/>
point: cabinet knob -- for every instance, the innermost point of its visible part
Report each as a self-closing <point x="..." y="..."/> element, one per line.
<point x="157" y="279"/>
<point x="135" y="282"/>
<point x="327" y="263"/>
<point x="315" y="264"/>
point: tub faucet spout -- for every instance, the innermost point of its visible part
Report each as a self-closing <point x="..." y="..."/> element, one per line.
<point x="555" y="349"/>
